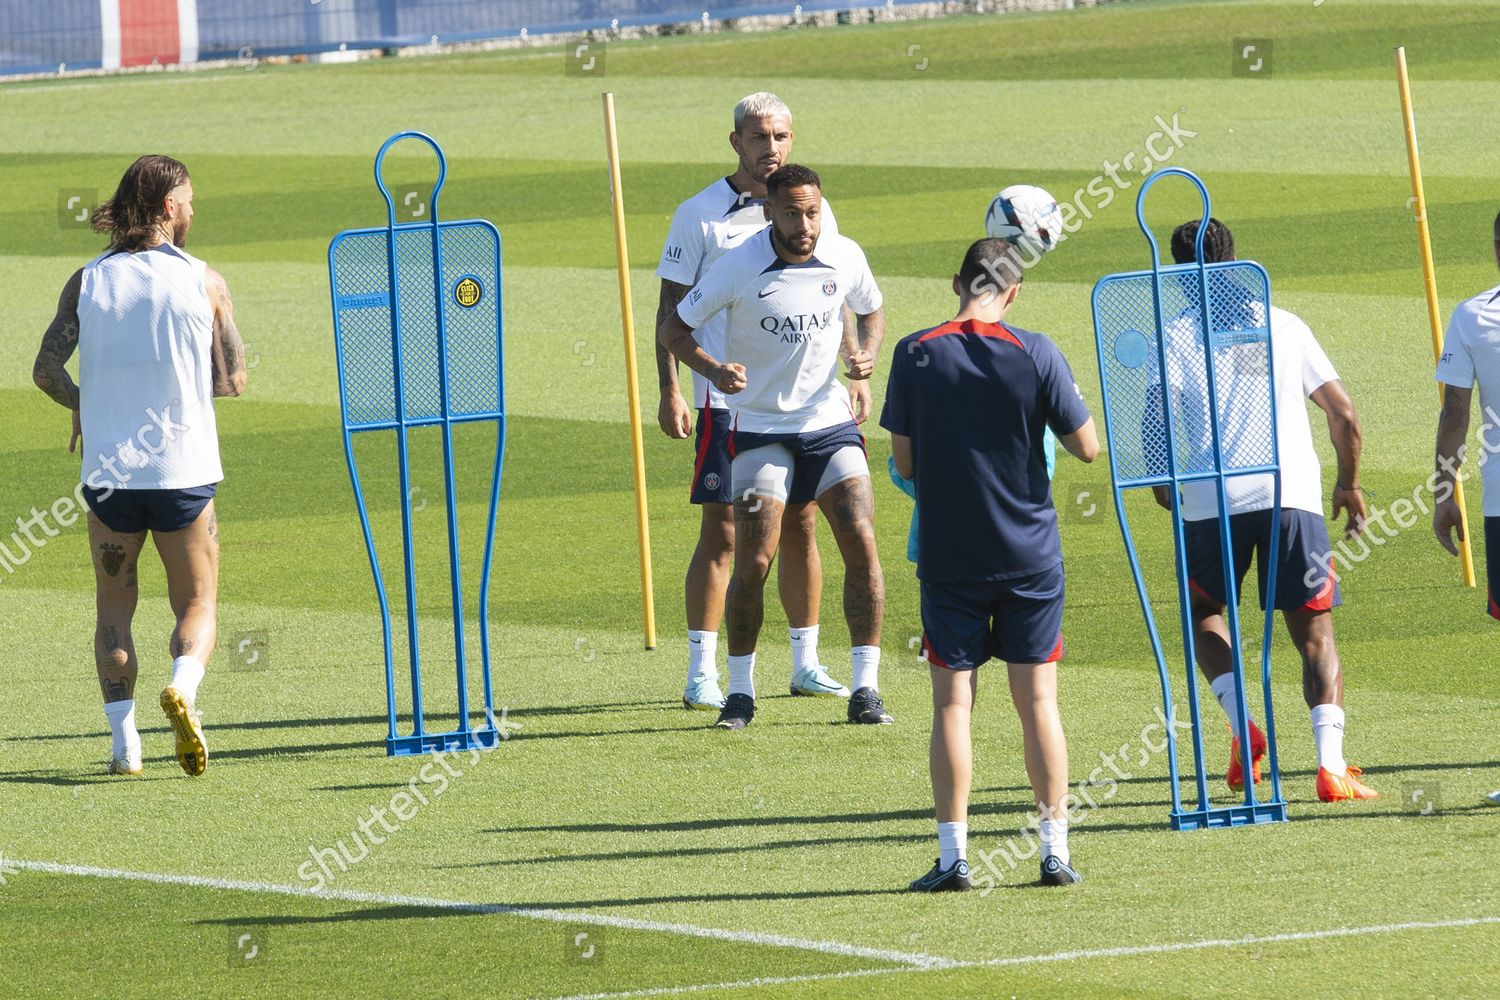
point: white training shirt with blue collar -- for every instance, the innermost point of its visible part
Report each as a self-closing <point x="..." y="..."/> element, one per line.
<point x="704" y="228"/>
<point x="1471" y="355"/>
<point x="784" y="323"/>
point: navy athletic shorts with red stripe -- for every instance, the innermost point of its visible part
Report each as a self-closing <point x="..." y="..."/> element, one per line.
<point x="1305" y="580"/>
<point x="1492" y="562"/>
<point x="1017" y="620"/>
<point x="711" y="467"/>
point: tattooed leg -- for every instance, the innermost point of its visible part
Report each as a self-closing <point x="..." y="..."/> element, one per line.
<point x="115" y="558"/>
<point x="757" y="531"/>
<point x="850" y="509"/>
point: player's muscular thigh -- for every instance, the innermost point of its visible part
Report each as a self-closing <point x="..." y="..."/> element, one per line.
<point x="757" y="530"/>
<point x="850" y="508"/>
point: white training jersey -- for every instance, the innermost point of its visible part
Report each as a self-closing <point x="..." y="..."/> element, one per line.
<point x="1471" y="353"/>
<point x="145" y="381"/>
<point x="704" y="228"/>
<point x="785" y="324"/>
<point x="1300" y="368"/>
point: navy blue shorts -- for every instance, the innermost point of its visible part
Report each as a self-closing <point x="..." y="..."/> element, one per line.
<point x="711" y="467"/>
<point x="1305" y="580"/>
<point x="130" y="512"/>
<point x="810" y="453"/>
<point x="1492" y="562"/>
<point x="1018" y="620"/>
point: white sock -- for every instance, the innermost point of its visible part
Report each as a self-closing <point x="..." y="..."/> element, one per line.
<point x="1055" y="839"/>
<point x="866" y="668"/>
<point x="804" y="648"/>
<point x="1328" y="736"/>
<point x="953" y="842"/>
<point x="1223" y="688"/>
<point x="187" y="674"/>
<point x="703" y="654"/>
<point x="121" y="715"/>
<point x="742" y="674"/>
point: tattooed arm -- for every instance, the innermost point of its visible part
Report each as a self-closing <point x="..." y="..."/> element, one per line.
<point x="228" y="350"/>
<point x="677" y="337"/>
<point x="673" y="414"/>
<point x="862" y="344"/>
<point x="871" y="332"/>
<point x="49" y="372"/>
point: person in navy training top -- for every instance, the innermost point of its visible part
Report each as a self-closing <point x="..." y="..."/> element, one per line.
<point x="967" y="406"/>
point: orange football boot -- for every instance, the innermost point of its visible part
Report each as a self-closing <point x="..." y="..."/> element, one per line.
<point x="1336" y="787"/>
<point x="1235" y="776"/>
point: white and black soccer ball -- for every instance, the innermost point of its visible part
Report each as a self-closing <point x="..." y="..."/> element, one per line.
<point x="1025" y="215"/>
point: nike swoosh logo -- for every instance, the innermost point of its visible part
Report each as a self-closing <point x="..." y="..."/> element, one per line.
<point x="763" y="294"/>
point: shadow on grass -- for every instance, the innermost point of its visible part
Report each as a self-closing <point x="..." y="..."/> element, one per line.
<point x="292" y="750"/>
<point x="409" y="912"/>
<point x="404" y="720"/>
<point x="725" y="822"/>
<point x="693" y="852"/>
<point x="66" y="779"/>
<point x="904" y="815"/>
<point x="711" y="897"/>
<point x="369" y="786"/>
<point x="95" y="774"/>
<point x="436" y="722"/>
<point x="372" y="913"/>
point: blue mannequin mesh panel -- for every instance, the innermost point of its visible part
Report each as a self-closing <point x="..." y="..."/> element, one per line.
<point x="471" y="311"/>
<point x="1132" y="370"/>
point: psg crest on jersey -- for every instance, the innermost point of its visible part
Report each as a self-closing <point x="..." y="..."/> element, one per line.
<point x="830" y="286"/>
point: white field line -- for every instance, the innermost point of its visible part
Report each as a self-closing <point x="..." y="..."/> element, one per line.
<point x="1057" y="956"/>
<point x="913" y="960"/>
<point x="905" y="962"/>
<point x="740" y="984"/>
<point x="19" y="88"/>
<point x="1251" y="939"/>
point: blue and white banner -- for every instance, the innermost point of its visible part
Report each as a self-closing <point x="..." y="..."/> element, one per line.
<point x="90" y="34"/>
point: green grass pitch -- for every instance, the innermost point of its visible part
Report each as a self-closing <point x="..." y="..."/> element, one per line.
<point x="615" y="845"/>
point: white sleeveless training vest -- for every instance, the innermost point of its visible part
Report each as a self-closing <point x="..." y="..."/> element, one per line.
<point x="145" y="381"/>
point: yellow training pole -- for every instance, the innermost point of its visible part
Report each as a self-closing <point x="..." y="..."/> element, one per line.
<point x="1429" y="277"/>
<point x="632" y="390"/>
